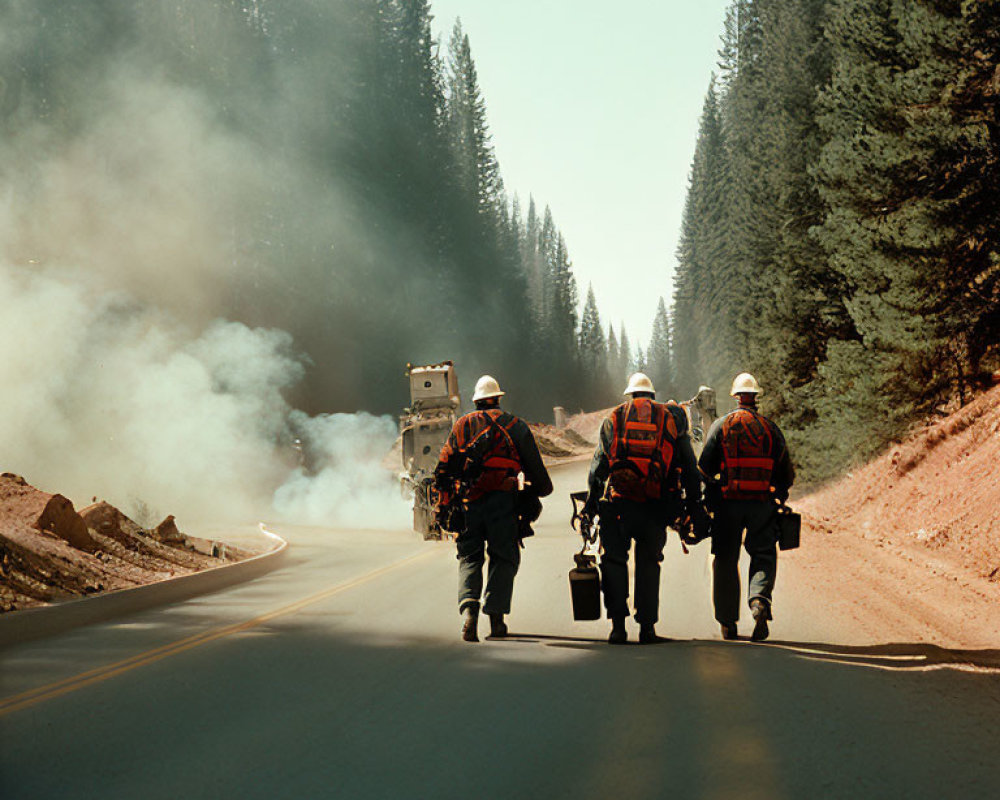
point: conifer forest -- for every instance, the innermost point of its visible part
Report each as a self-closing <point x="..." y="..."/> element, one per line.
<point x="841" y="237"/>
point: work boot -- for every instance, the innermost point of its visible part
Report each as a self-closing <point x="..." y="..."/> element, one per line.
<point x="618" y="633"/>
<point x="647" y="635"/>
<point x="760" y="612"/>
<point x="470" y="630"/>
<point x="498" y="628"/>
<point x="729" y="631"/>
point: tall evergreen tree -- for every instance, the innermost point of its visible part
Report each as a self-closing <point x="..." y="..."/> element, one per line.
<point x="563" y="318"/>
<point x="658" y="356"/>
<point x="640" y="364"/>
<point x="593" y="351"/>
<point x="534" y="262"/>
<point x="840" y="234"/>
<point x="476" y="168"/>
<point x="625" y="363"/>
<point x="614" y="363"/>
<point x="893" y="234"/>
<point x="706" y="293"/>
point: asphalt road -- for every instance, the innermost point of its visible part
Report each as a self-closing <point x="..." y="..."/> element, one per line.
<point x="342" y="675"/>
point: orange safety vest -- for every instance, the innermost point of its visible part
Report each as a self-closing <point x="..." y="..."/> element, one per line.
<point x="644" y="434"/>
<point x="748" y="448"/>
<point x="483" y="437"/>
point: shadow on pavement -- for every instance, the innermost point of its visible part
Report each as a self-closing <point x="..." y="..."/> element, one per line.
<point x="536" y="638"/>
<point x="300" y="708"/>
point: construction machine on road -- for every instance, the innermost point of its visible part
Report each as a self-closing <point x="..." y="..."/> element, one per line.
<point x="424" y="429"/>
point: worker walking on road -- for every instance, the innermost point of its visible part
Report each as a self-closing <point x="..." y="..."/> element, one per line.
<point x="748" y="473"/>
<point x="478" y="472"/>
<point x="643" y="478"/>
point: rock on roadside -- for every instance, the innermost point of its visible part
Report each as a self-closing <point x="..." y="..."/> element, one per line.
<point x="49" y="552"/>
<point x="51" y="513"/>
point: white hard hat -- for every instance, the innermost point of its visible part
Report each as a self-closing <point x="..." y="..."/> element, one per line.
<point x="639" y="382"/>
<point x="745" y="383"/>
<point x="487" y="386"/>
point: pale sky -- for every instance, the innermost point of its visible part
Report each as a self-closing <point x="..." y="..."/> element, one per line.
<point x="594" y="110"/>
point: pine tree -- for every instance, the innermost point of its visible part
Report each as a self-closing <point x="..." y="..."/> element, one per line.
<point x="805" y="307"/>
<point x="593" y="352"/>
<point x="613" y="377"/>
<point x="548" y="243"/>
<point x="706" y="292"/>
<point x="840" y="232"/>
<point x="563" y="318"/>
<point x="658" y="355"/>
<point x="891" y="141"/>
<point x="625" y="363"/>
<point x="967" y="188"/>
<point x="477" y="170"/>
<point x="639" y="365"/>
<point x="532" y="257"/>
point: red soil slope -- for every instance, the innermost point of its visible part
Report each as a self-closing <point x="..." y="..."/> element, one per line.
<point x="917" y="531"/>
<point x="938" y="493"/>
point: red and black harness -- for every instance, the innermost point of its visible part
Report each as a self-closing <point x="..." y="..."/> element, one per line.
<point x="489" y="460"/>
<point x="644" y="434"/>
<point x="748" y="448"/>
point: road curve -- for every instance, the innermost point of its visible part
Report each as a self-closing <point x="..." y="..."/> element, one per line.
<point x="342" y="675"/>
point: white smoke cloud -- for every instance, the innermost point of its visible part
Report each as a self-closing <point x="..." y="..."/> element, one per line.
<point x="350" y="488"/>
<point x="102" y="397"/>
<point x="119" y="253"/>
<point x="141" y="198"/>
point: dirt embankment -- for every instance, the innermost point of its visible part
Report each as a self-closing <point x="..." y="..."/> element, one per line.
<point x="575" y="441"/>
<point x="559" y="444"/>
<point x="923" y="518"/>
<point x="49" y="551"/>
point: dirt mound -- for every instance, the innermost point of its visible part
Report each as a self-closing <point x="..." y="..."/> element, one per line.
<point x="588" y="425"/>
<point x="574" y="441"/>
<point x="559" y="443"/>
<point x="51" y="513"/>
<point x="50" y="552"/>
<point x="934" y="497"/>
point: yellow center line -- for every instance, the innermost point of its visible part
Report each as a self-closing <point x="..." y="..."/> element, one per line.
<point x="67" y="685"/>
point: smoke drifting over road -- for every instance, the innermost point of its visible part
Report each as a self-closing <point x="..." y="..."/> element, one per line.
<point x="126" y="249"/>
<point x="349" y="487"/>
<point x="104" y="397"/>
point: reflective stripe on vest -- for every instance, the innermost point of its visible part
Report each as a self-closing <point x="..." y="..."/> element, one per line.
<point x="747" y="447"/>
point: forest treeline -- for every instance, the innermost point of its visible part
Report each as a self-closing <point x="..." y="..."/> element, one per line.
<point x="347" y="171"/>
<point x="840" y="237"/>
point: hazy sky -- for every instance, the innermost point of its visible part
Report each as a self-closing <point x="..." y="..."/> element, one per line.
<point x="594" y="110"/>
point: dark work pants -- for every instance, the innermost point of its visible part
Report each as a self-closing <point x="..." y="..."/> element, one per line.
<point x="759" y="520"/>
<point x="623" y="522"/>
<point x="491" y="529"/>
